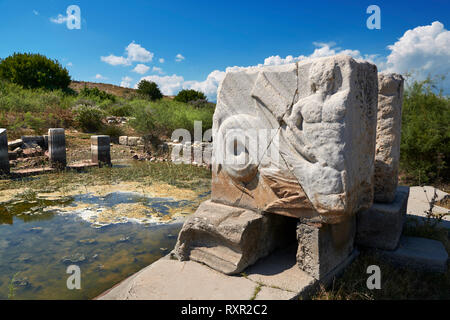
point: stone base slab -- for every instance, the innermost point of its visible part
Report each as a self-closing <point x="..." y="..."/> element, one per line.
<point x="418" y="253"/>
<point x="276" y="277"/>
<point x="381" y="226"/>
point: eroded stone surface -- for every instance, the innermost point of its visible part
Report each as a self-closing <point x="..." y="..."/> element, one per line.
<point x="314" y="156"/>
<point x="381" y="226"/>
<point x="389" y="122"/>
<point x="229" y="239"/>
<point x="323" y="247"/>
<point x="57" y="147"/>
<point x="4" y="157"/>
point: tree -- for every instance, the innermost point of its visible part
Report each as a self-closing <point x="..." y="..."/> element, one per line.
<point x="189" y="95"/>
<point x="149" y="89"/>
<point x="34" y="71"/>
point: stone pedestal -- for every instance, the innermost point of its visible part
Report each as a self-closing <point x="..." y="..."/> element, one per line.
<point x="229" y="239"/>
<point x="381" y="226"/>
<point x="57" y="148"/>
<point x="389" y="124"/>
<point x="100" y="150"/>
<point x="4" y="157"/>
<point x="323" y="247"/>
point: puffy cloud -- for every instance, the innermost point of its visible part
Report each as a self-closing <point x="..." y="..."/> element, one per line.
<point x="141" y="68"/>
<point x="158" y="70"/>
<point x="169" y="85"/>
<point x="126" y="82"/>
<point x="137" y="53"/>
<point x="100" y="77"/>
<point x="115" y="60"/>
<point x="208" y="86"/>
<point x="134" y="53"/>
<point x="69" y="64"/>
<point x="161" y="60"/>
<point x="423" y="50"/>
<point x="179" y="57"/>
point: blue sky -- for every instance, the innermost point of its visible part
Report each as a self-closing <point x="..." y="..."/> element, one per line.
<point x="214" y="35"/>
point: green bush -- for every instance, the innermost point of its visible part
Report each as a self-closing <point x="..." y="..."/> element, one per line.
<point x="89" y="119"/>
<point x="97" y="94"/>
<point x="189" y="95"/>
<point x="149" y="90"/>
<point x="34" y="71"/>
<point x="121" y="110"/>
<point x="425" y="142"/>
<point x="113" y="131"/>
<point x="164" y="116"/>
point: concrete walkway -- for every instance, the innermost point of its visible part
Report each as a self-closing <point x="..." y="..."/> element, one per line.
<point x="418" y="203"/>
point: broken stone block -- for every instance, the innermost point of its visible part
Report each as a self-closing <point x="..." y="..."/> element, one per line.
<point x="100" y="150"/>
<point x="133" y="141"/>
<point x="229" y="239"/>
<point x="33" y="141"/>
<point x="123" y="140"/>
<point x="381" y="226"/>
<point x="418" y="253"/>
<point x="15" y="144"/>
<point x="4" y="157"/>
<point x="323" y="247"/>
<point x="389" y="122"/>
<point x="297" y="139"/>
<point x="57" y="147"/>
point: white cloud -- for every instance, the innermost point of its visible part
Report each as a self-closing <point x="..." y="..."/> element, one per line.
<point x="60" y="19"/>
<point x="126" y="82"/>
<point x="423" y="50"/>
<point x="161" y="60"/>
<point x="158" y="70"/>
<point x="134" y="53"/>
<point x="69" y="64"/>
<point x="36" y="13"/>
<point x="100" y="77"/>
<point x="179" y="57"/>
<point x="141" y="68"/>
<point x="115" y="60"/>
<point x="169" y="85"/>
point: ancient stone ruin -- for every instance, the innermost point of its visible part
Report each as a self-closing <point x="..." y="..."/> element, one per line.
<point x="293" y="159"/>
<point x="101" y="150"/>
<point x="4" y="157"/>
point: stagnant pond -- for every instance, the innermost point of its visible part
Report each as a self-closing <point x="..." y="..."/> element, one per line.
<point x="41" y="237"/>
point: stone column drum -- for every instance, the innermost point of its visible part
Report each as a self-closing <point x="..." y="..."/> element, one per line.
<point x="57" y="147"/>
<point x="4" y="157"/>
<point x="291" y="144"/>
<point x="100" y="150"/>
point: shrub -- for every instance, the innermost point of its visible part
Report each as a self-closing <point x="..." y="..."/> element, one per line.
<point x="425" y="142"/>
<point x="164" y="116"/>
<point x="121" y="110"/>
<point x="113" y="131"/>
<point x="34" y="71"/>
<point x="97" y="94"/>
<point x="202" y="103"/>
<point x="149" y="90"/>
<point x="189" y="95"/>
<point x="89" y="119"/>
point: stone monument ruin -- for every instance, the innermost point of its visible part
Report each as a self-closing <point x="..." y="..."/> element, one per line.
<point x="294" y="159"/>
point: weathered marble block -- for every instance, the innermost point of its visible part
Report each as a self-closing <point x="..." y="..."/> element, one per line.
<point x="381" y="225"/>
<point x="100" y="150"/>
<point x="323" y="247"/>
<point x="229" y="239"/>
<point x="387" y="154"/>
<point x="297" y="139"/>
<point x="57" y="147"/>
<point x="4" y="157"/>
